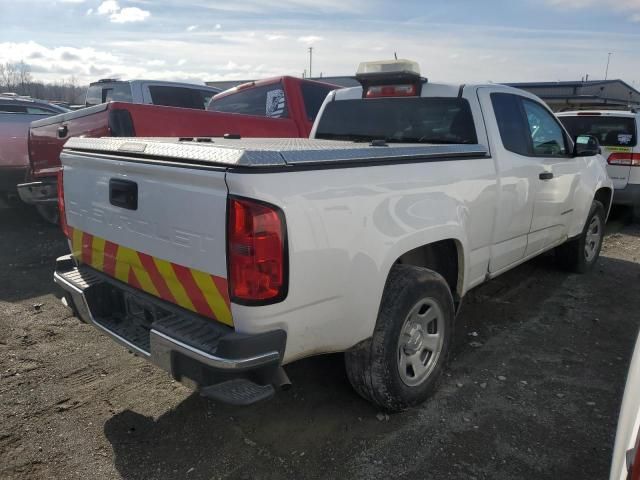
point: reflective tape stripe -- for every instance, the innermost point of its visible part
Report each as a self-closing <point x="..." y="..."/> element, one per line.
<point x="191" y="289"/>
<point x="213" y="297"/>
<point x="174" y="284"/>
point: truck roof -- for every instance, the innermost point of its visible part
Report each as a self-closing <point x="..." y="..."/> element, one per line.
<point x="604" y="113"/>
<point x="202" y="85"/>
<point x="261" y="152"/>
<point x="430" y="89"/>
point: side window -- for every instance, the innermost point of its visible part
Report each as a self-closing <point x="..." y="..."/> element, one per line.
<point x="206" y="97"/>
<point x="39" y="111"/>
<point x="94" y="95"/>
<point x="313" y="96"/>
<point x="547" y="136"/>
<point x="266" y="101"/>
<point x="13" y="109"/>
<point x="176" y="97"/>
<point x="511" y="123"/>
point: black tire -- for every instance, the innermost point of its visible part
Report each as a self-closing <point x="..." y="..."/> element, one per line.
<point x="49" y="213"/>
<point x="572" y="256"/>
<point x="635" y="213"/>
<point x="373" y="366"/>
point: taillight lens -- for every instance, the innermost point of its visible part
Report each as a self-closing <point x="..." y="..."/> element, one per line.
<point x="256" y="250"/>
<point x="378" y="91"/>
<point x="61" y="209"/>
<point x="624" y="158"/>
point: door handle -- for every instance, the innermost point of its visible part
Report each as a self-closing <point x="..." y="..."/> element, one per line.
<point x="123" y="193"/>
<point x="545" y="176"/>
<point x="62" y="131"/>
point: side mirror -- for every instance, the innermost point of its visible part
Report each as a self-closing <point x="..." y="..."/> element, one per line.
<point x="586" y="146"/>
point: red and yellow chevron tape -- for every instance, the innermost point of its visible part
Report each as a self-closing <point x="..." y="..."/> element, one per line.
<point x="197" y="291"/>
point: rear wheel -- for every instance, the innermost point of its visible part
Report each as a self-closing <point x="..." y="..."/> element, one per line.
<point x="580" y="254"/>
<point x="400" y="364"/>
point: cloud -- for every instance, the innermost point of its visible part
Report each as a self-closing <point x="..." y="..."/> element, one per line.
<point x="72" y="1"/>
<point x="130" y="14"/>
<point x="618" y="6"/>
<point x="122" y="15"/>
<point x="275" y="36"/>
<point x="308" y="39"/>
<point x="191" y="28"/>
<point x="107" y="7"/>
<point x="218" y="26"/>
<point x="90" y="11"/>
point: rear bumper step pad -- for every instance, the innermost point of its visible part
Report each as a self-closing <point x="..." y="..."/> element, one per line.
<point x="227" y="366"/>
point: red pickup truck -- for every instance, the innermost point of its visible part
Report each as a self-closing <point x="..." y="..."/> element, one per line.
<point x="275" y="107"/>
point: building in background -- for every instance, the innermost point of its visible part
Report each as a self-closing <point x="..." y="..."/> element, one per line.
<point x="560" y="96"/>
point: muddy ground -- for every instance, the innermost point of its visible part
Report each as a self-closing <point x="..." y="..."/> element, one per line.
<point x="532" y="391"/>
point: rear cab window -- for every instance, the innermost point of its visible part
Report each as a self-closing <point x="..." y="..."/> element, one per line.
<point x="611" y="131"/>
<point x="313" y="95"/>
<point x="264" y="101"/>
<point x="400" y="120"/>
<point x="108" y="92"/>
<point x="183" y="97"/>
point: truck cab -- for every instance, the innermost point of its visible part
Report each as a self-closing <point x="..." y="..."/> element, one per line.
<point x="152" y="92"/>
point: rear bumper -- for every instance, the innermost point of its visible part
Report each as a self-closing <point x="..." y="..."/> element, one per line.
<point x="40" y="192"/>
<point x="629" y="195"/>
<point x="10" y="177"/>
<point x="192" y="349"/>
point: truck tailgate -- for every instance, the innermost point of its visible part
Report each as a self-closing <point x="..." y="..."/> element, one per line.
<point x="47" y="136"/>
<point x="158" y="228"/>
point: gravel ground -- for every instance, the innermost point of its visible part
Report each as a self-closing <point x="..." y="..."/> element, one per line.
<point x="532" y="391"/>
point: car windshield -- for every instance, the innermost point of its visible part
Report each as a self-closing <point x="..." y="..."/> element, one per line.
<point x="404" y="120"/>
<point x="610" y="131"/>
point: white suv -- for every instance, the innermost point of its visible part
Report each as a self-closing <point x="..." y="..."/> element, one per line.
<point x="618" y="134"/>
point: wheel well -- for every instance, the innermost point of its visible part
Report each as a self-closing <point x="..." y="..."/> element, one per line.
<point x="442" y="257"/>
<point x="603" y="195"/>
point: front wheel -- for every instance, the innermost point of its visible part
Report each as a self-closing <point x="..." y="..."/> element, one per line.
<point x="400" y="364"/>
<point x="580" y="254"/>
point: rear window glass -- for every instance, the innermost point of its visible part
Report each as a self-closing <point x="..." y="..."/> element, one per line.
<point x="110" y="92"/>
<point x="415" y="119"/>
<point x="265" y="101"/>
<point x="313" y="95"/>
<point x="610" y="131"/>
<point x="178" y="97"/>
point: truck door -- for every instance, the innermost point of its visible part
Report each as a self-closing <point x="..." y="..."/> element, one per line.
<point x="557" y="178"/>
<point x="517" y="174"/>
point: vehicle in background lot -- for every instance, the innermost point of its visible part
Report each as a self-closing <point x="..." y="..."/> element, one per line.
<point x="363" y="239"/>
<point x="150" y="92"/>
<point x="618" y="132"/>
<point x="16" y="114"/>
<point x="277" y="107"/>
<point x="626" y="451"/>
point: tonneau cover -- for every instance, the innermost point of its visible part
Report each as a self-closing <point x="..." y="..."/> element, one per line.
<point x="272" y="152"/>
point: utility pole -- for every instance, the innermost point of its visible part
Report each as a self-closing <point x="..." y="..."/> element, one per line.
<point x="606" y="72"/>
<point x="310" y="61"/>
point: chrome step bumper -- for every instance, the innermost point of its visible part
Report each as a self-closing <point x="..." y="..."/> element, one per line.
<point x="176" y="341"/>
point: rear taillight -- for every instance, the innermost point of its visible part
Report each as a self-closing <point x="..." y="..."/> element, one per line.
<point x="257" y="252"/>
<point x="63" y="213"/>
<point x="378" y="91"/>
<point x="120" y="123"/>
<point x="624" y="158"/>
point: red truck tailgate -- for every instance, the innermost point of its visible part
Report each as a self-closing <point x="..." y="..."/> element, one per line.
<point x="47" y="136"/>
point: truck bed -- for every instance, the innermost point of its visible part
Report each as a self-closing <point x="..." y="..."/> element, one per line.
<point x="261" y="153"/>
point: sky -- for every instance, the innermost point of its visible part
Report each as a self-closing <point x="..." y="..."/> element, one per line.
<point x="460" y="41"/>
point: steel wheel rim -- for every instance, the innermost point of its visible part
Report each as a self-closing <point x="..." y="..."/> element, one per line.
<point x="592" y="238"/>
<point x="420" y="342"/>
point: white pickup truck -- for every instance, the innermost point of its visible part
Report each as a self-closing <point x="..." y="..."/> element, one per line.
<point x="221" y="260"/>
